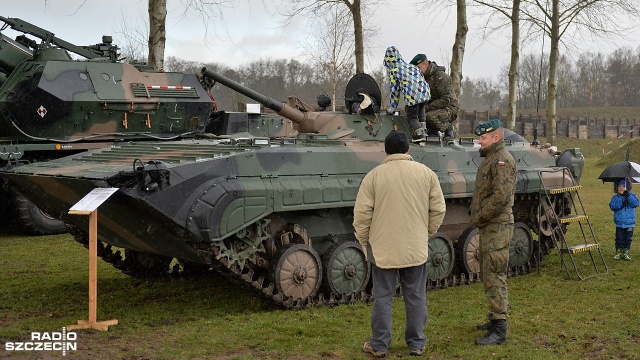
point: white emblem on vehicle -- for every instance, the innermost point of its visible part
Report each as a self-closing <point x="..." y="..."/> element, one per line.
<point x="42" y="111"/>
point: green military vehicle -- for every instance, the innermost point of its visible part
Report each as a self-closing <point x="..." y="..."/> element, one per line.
<point x="52" y="105"/>
<point x="268" y="201"/>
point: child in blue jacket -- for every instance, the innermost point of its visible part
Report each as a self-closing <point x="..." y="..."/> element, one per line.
<point x="623" y="204"/>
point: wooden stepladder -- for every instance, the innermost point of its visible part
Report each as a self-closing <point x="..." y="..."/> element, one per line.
<point x="89" y="206"/>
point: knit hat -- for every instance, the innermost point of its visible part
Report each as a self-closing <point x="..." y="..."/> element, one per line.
<point x="623" y="182"/>
<point x="396" y="143"/>
<point x="487" y="127"/>
<point x="418" y="59"/>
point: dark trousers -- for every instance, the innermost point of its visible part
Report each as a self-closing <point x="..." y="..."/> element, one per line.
<point x="415" y="114"/>
<point x="623" y="238"/>
<point x="414" y="290"/>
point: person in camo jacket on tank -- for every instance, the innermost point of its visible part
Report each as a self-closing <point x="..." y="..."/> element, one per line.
<point x="623" y="204"/>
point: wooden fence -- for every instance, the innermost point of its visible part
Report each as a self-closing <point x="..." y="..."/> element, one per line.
<point x="581" y="128"/>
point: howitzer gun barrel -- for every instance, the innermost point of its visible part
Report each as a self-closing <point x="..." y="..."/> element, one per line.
<point x="305" y="122"/>
<point x="47" y="36"/>
<point x="11" y="54"/>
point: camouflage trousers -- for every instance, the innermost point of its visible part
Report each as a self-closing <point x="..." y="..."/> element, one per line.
<point x="494" y="262"/>
<point x="438" y="120"/>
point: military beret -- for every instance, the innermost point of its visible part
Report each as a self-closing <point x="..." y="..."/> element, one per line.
<point x="396" y="143"/>
<point x="487" y="127"/>
<point x="418" y="59"/>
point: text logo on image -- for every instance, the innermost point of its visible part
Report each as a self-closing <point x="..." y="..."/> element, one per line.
<point x="46" y="341"/>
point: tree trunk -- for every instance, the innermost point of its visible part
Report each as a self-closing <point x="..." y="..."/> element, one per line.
<point x="157" y="33"/>
<point x="552" y="88"/>
<point x="513" y="67"/>
<point x="357" y="31"/>
<point x="458" y="46"/>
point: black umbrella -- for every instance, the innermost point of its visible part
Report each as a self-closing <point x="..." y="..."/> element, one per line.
<point x="622" y="169"/>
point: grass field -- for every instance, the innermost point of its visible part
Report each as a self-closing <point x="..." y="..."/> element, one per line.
<point x="43" y="287"/>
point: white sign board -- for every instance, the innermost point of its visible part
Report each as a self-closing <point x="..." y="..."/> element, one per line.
<point x="92" y="200"/>
<point x="253" y="108"/>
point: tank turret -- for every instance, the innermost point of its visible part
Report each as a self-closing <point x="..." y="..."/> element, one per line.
<point x="305" y="122"/>
<point x="52" y="105"/>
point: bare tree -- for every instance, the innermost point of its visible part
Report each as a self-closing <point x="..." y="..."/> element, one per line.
<point x="589" y="80"/>
<point x="459" y="41"/>
<point x="318" y="8"/>
<point x="134" y="41"/>
<point x="591" y="18"/>
<point x="208" y="10"/>
<point x="459" y="45"/>
<point x="331" y="46"/>
<point x="511" y="11"/>
<point x="157" y="33"/>
<point x="487" y="90"/>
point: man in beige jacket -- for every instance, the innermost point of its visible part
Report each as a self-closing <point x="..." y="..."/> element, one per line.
<point x="398" y="207"/>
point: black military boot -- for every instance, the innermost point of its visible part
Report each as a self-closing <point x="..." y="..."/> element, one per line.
<point x="496" y="335"/>
<point x="419" y="135"/>
<point x="450" y="132"/>
<point x="485" y="326"/>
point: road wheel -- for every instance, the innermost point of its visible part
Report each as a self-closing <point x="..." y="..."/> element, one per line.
<point x="521" y="245"/>
<point x="468" y="250"/>
<point x="34" y="221"/>
<point x="296" y="271"/>
<point x="441" y="257"/>
<point x="141" y="264"/>
<point x="346" y="269"/>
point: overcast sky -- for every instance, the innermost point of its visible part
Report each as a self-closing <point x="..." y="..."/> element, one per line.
<point x="253" y="33"/>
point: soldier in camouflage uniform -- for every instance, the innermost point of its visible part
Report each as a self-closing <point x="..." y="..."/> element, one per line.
<point x="442" y="108"/>
<point x="491" y="212"/>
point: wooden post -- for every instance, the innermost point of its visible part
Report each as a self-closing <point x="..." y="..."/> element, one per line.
<point x="88" y="206"/>
<point x="93" y="277"/>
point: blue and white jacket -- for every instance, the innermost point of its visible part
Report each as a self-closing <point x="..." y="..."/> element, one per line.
<point x="404" y="79"/>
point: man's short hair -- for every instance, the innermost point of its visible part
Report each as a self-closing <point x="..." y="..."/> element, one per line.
<point x="396" y="143"/>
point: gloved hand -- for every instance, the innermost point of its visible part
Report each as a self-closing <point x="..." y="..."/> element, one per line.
<point x="625" y="201"/>
<point x="391" y="110"/>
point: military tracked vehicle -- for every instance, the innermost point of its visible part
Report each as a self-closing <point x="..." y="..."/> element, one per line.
<point x="52" y="105"/>
<point x="271" y="207"/>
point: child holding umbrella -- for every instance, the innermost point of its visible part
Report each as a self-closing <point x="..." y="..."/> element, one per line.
<point x="623" y="204"/>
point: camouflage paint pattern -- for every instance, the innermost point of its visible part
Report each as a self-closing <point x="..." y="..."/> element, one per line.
<point x="442" y="109"/>
<point x="68" y="101"/>
<point x="219" y="186"/>
<point x="194" y="199"/>
<point x="494" y="261"/>
<point x="438" y="120"/>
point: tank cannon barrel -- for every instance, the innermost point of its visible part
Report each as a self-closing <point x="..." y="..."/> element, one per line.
<point x="305" y="122"/>
<point x="262" y="99"/>
<point x="90" y="52"/>
<point x="12" y="53"/>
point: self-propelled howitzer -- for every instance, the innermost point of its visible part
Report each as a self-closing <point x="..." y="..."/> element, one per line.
<point x="275" y="213"/>
<point x="52" y="105"/>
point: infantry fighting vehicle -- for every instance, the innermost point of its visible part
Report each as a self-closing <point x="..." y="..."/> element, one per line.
<point x="271" y="207"/>
<point x="52" y="106"/>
